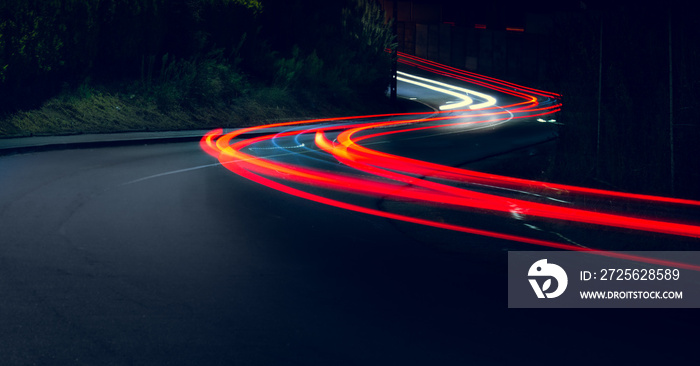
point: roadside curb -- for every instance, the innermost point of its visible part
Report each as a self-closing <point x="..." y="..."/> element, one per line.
<point x="24" y="145"/>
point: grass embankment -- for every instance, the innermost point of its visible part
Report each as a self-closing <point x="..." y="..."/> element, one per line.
<point x="104" y="109"/>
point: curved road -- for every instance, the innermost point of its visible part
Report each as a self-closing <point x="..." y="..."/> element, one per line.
<point x="157" y="254"/>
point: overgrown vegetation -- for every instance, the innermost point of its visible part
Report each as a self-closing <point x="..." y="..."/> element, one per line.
<point x="112" y="65"/>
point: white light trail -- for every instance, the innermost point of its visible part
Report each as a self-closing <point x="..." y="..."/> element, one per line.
<point x="466" y="100"/>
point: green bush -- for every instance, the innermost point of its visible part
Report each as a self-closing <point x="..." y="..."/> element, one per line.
<point x="209" y="81"/>
<point x="352" y="60"/>
<point x="289" y="70"/>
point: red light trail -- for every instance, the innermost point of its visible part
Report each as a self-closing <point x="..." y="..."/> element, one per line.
<point x="367" y="172"/>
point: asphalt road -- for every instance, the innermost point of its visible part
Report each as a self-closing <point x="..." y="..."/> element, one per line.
<point x="103" y="263"/>
<point x="156" y="254"/>
<point x="151" y="255"/>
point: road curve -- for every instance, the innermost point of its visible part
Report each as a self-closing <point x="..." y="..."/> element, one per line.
<point x="158" y="254"/>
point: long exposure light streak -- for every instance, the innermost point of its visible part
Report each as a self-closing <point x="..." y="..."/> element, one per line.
<point x="488" y="100"/>
<point x="344" y="166"/>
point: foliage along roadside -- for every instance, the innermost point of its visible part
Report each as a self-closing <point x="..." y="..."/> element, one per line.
<point x="62" y="58"/>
